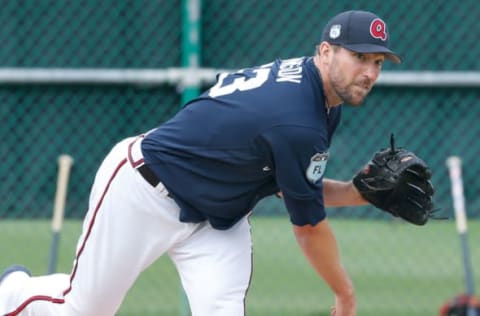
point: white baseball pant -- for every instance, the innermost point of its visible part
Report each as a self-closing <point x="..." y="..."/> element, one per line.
<point x="130" y="224"/>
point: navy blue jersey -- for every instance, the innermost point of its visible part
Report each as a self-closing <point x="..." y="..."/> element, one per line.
<point x="255" y="132"/>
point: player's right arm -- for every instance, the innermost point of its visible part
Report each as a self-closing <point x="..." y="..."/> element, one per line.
<point x="297" y="152"/>
<point x="319" y="246"/>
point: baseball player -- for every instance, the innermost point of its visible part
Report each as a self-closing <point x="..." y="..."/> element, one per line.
<point x="186" y="188"/>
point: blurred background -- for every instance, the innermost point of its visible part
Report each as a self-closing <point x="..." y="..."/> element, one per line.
<point x="77" y="76"/>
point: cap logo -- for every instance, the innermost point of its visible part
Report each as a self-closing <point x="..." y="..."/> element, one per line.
<point x="335" y="31"/>
<point x="378" y="29"/>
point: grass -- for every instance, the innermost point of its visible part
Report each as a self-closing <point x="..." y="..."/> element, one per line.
<point x="398" y="269"/>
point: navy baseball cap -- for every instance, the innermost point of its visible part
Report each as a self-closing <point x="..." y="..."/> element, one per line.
<point x="361" y="32"/>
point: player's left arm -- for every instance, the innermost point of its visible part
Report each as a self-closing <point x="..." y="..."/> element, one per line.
<point x="341" y="193"/>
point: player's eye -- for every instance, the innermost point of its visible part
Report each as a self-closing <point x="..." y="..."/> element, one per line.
<point x="360" y="56"/>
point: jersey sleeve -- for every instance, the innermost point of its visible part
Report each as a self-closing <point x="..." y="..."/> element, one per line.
<point x="299" y="155"/>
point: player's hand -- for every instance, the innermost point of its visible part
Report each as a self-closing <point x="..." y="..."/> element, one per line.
<point x="396" y="181"/>
<point x="343" y="307"/>
<point x="333" y="311"/>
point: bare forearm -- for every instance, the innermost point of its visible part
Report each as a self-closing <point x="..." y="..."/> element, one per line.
<point x="320" y="248"/>
<point x="341" y="193"/>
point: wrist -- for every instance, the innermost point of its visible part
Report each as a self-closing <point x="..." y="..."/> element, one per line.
<point x="356" y="194"/>
<point x="345" y="305"/>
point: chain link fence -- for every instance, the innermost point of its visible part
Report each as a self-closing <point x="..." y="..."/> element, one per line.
<point x="41" y="121"/>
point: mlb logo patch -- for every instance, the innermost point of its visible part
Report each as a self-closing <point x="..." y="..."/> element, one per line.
<point x="335" y="31"/>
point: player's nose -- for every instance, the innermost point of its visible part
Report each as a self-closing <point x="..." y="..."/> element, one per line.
<point x="371" y="72"/>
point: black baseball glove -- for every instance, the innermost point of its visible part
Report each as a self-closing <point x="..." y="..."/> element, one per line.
<point x="398" y="182"/>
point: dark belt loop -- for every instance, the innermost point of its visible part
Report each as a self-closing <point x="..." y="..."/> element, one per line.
<point x="148" y="175"/>
<point x="142" y="168"/>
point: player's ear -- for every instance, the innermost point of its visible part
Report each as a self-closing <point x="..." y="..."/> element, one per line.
<point x="325" y="50"/>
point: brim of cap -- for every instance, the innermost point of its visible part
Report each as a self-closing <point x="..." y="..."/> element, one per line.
<point x="372" y="48"/>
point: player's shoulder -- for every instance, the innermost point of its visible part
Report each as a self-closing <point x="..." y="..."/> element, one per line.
<point x="289" y="70"/>
<point x="284" y="70"/>
<point x="299" y="81"/>
<point x="297" y="73"/>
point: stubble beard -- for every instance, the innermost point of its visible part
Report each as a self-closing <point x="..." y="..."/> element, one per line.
<point x="347" y="92"/>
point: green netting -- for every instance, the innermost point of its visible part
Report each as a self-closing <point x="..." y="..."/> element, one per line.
<point x="89" y="33"/>
<point x="435" y="123"/>
<point x="40" y="122"/>
<point x="429" y="35"/>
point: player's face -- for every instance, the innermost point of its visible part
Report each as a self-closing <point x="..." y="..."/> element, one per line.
<point x="352" y="75"/>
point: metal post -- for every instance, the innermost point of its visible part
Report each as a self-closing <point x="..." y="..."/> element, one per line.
<point x="190" y="60"/>
<point x="191" y="46"/>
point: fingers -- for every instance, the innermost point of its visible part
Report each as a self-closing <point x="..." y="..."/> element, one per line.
<point x="417" y="180"/>
<point x="374" y="184"/>
<point x="420" y="189"/>
<point x="333" y="311"/>
<point x="413" y="212"/>
<point x="420" y="171"/>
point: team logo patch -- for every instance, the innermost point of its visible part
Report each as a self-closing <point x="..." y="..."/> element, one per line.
<point x="378" y="29"/>
<point x="317" y="166"/>
<point x="335" y="31"/>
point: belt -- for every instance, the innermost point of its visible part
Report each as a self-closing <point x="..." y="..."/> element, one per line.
<point x="135" y="157"/>
<point x="148" y="175"/>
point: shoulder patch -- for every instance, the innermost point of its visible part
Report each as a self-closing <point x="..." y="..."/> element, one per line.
<point x="317" y="166"/>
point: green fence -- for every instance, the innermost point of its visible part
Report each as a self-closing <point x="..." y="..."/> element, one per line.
<point x="38" y="122"/>
<point x="41" y="122"/>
